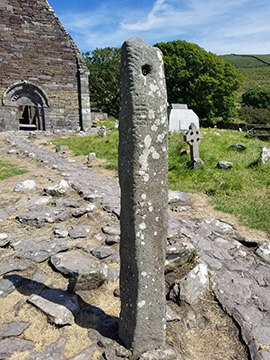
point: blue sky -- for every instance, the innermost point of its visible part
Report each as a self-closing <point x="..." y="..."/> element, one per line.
<point x="219" y="26"/>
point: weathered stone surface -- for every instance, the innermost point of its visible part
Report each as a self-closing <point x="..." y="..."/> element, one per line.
<point x="41" y="251"/>
<point x="35" y="201"/>
<point x="102" y="252"/>
<point x="6" y="267"/>
<point x="79" y="231"/>
<point x="264" y="251"/>
<point x="8" y="284"/>
<point x="111" y="230"/>
<point x="4" y="239"/>
<point x="25" y="186"/>
<point x="72" y="262"/>
<point x="261" y="334"/>
<point x="58" y="305"/>
<point x="59" y="189"/>
<point x="171" y="315"/>
<point x="217" y="225"/>
<point x="60" y="231"/>
<point x="53" y="351"/>
<point x="265" y="155"/>
<point x="89" y="279"/>
<point x="249" y="314"/>
<point x="226" y="165"/>
<point x="261" y="298"/>
<point x="10" y="346"/>
<point x="143" y="129"/>
<point x="231" y="288"/>
<point x="14" y="328"/>
<point x="66" y="203"/>
<point x="91" y="157"/>
<point x="102" y="131"/>
<point x="177" y="255"/>
<point x="43" y="216"/>
<point x="107" y="356"/>
<point x="90" y="316"/>
<point x="115" y="258"/>
<point x="84" y="210"/>
<point x="212" y="263"/>
<point x="177" y="196"/>
<point x="193" y="137"/>
<point x="113" y="274"/>
<point x="48" y="83"/>
<point x="115" y="348"/>
<point x="99" y="237"/>
<point x="194" y="285"/>
<point x="87" y="353"/>
<point x="62" y="148"/>
<point x="167" y="354"/>
<point x="112" y="239"/>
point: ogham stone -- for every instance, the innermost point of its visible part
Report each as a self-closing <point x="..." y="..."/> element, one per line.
<point x="143" y="152"/>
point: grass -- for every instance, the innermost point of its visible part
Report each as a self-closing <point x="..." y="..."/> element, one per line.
<point x="8" y="170"/>
<point x="106" y="148"/>
<point x="247" y="61"/>
<point x="243" y="190"/>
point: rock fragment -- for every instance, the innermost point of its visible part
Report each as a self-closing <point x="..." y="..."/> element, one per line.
<point x="25" y="186"/>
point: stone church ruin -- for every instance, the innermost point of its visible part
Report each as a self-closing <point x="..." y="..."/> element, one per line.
<point x="43" y="77"/>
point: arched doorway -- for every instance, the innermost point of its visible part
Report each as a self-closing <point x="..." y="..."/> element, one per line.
<point x="31" y="104"/>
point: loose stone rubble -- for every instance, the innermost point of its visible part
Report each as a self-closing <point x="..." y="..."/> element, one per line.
<point x="240" y="278"/>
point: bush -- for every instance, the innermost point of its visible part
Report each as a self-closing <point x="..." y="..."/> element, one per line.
<point x="257" y="97"/>
<point x="250" y="115"/>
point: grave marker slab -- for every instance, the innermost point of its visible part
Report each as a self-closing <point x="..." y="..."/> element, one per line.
<point x="143" y="162"/>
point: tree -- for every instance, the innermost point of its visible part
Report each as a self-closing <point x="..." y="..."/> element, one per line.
<point x="200" y="79"/>
<point x="104" y="66"/>
<point x="258" y="98"/>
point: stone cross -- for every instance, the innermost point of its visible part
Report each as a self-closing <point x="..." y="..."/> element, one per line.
<point x="193" y="137"/>
<point x="143" y="172"/>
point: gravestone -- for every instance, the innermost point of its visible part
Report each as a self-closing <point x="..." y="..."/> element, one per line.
<point x="143" y="152"/>
<point x="193" y="137"/>
<point x="180" y="118"/>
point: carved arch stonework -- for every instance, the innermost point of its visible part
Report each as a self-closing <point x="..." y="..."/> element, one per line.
<point x="27" y="97"/>
<point x="25" y="93"/>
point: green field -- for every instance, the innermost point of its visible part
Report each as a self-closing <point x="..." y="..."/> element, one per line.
<point x="254" y="68"/>
<point x="243" y="191"/>
<point x="247" y="61"/>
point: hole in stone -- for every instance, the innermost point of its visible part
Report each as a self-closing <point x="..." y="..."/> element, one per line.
<point x="197" y="132"/>
<point x="198" y="139"/>
<point x="191" y="133"/>
<point x="146" y="69"/>
<point x="192" y="140"/>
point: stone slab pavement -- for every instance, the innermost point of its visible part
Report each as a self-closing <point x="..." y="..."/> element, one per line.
<point x="240" y="278"/>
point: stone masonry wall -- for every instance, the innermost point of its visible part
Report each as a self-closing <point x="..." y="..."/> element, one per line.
<point x="35" y="47"/>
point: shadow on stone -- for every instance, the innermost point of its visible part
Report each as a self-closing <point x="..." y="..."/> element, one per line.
<point x="85" y="315"/>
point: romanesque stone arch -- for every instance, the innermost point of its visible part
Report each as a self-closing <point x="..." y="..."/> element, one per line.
<point x="28" y="106"/>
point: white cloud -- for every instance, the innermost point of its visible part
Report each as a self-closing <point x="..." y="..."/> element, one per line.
<point x="220" y="26"/>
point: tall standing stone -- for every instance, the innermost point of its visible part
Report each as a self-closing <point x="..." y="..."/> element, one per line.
<point x="143" y="169"/>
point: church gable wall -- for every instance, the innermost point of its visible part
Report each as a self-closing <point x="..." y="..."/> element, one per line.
<point x="36" y="48"/>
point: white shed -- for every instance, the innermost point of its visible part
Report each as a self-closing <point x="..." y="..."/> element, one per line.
<point x="180" y="118"/>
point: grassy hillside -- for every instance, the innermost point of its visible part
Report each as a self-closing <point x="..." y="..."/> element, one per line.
<point x="247" y="61"/>
<point x="254" y="68"/>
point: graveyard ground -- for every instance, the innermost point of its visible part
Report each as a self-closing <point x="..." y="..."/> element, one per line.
<point x="204" y="330"/>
